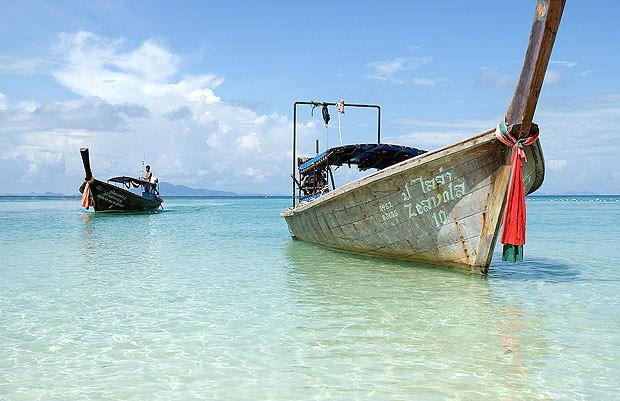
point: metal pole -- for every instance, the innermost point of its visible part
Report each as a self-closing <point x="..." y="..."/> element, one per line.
<point x="378" y="125"/>
<point x="317" y="104"/>
<point x="294" y="146"/>
<point x="332" y="177"/>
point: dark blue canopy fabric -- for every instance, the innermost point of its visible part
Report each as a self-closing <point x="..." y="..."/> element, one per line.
<point x="124" y="179"/>
<point x="365" y="156"/>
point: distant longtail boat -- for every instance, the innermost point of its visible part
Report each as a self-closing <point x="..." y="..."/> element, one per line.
<point x="444" y="206"/>
<point x="108" y="197"/>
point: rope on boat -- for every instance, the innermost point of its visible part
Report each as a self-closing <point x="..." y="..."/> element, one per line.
<point x="513" y="232"/>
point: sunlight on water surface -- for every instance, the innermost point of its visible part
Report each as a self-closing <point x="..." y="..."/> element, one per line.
<point x="211" y="299"/>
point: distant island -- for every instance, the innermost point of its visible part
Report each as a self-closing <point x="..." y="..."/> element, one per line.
<point x="168" y="189"/>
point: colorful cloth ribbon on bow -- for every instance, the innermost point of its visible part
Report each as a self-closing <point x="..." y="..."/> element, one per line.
<point x="87" y="199"/>
<point x="513" y="233"/>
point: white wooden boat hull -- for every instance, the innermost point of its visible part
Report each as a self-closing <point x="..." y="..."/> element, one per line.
<point x="442" y="207"/>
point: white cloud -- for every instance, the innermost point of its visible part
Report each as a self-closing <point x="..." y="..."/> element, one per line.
<point x="253" y="173"/>
<point x="150" y="61"/>
<point x="499" y="80"/>
<point x="429" y="139"/>
<point x="465" y="125"/>
<point x="564" y="63"/>
<point x="22" y="66"/>
<point x="431" y="134"/>
<point x="126" y="108"/>
<point x="248" y="143"/>
<point x="579" y="129"/>
<point x="576" y="134"/>
<point x="4" y="101"/>
<point x="496" y="79"/>
<point x="181" y="113"/>
<point x="411" y="81"/>
<point x="386" y="71"/>
<point x="387" y="68"/>
<point x="557" y="164"/>
<point x="553" y="77"/>
<point x="134" y="101"/>
<point x="92" y="114"/>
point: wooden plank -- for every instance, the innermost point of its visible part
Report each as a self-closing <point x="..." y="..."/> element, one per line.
<point x="545" y="26"/>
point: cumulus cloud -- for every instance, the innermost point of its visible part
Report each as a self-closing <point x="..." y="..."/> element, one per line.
<point x="248" y="143"/>
<point x="180" y="113"/>
<point x="135" y="101"/>
<point x="92" y="114"/>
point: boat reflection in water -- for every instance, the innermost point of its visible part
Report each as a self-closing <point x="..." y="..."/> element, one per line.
<point x="104" y="237"/>
<point x="402" y="328"/>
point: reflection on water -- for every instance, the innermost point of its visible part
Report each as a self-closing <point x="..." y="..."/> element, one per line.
<point x="534" y="269"/>
<point x="119" y="242"/>
<point x="436" y="331"/>
<point x="213" y="300"/>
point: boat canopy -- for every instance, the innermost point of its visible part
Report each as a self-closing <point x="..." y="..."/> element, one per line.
<point x="365" y="156"/>
<point x="125" y="180"/>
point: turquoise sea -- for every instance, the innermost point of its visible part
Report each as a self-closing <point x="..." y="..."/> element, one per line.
<point x="211" y="299"/>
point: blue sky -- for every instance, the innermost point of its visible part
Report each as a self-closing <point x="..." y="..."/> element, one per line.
<point x="204" y="89"/>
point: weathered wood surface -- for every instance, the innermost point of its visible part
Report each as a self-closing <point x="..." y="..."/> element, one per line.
<point x="443" y="206"/>
<point x="545" y="26"/>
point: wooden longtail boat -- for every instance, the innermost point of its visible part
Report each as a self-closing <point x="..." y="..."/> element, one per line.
<point x="444" y="206"/>
<point x="107" y="197"/>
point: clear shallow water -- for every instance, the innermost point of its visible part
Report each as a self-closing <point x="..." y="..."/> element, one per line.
<point x="213" y="300"/>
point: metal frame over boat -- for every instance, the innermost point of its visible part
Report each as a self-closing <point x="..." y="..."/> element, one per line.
<point x="107" y="197"/>
<point x="444" y="206"/>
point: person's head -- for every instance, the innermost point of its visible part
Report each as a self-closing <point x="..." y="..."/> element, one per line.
<point x="148" y="168"/>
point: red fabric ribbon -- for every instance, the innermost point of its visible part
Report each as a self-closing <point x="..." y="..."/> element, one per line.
<point x="513" y="233"/>
<point x="87" y="200"/>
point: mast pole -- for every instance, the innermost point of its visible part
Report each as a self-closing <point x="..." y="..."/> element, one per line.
<point x="88" y="174"/>
<point x="544" y="29"/>
<point x="294" y="148"/>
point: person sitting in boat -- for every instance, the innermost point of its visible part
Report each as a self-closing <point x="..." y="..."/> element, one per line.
<point x="154" y="185"/>
<point x="147" y="177"/>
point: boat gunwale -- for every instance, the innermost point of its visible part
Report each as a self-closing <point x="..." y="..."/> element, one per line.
<point x="420" y="160"/>
<point x="155" y="203"/>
